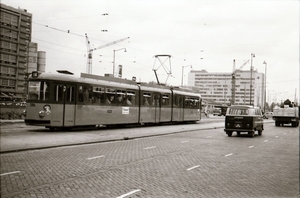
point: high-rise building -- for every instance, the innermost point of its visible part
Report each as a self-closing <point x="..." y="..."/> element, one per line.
<point x="217" y="86"/>
<point x="18" y="55"/>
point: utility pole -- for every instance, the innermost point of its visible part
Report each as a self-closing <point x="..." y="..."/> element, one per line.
<point x="251" y="70"/>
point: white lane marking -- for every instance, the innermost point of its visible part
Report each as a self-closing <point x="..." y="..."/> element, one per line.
<point x="251" y="146"/>
<point x="209" y="137"/>
<point x="152" y="147"/>
<point x="228" y="154"/>
<point x="184" y="141"/>
<point x="96" y="157"/>
<point x="192" y="167"/>
<point x="276" y="136"/>
<point x="266" y="140"/>
<point x="284" y="134"/>
<point x="130" y="193"/>
<point x="14" y="172"/>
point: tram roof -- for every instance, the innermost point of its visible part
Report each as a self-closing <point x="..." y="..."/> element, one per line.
<point x="112" y="81"/>
<point x="75" y="79"/>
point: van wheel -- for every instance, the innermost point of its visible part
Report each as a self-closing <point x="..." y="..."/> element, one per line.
<point x="251" y="133"/>
<point x="229" y="134"/>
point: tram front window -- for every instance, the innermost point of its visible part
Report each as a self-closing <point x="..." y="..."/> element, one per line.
<point x="38" y="90"/>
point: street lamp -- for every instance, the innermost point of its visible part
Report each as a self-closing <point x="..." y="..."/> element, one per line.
<point x="182" y="73"/>
<point x="265" y="98"/>
<point x="115" y="58"/>
<point x="251" y="70"/>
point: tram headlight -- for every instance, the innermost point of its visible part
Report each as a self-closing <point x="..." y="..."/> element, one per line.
<point x="42" y="114"/>
<point x="24" y="113"/>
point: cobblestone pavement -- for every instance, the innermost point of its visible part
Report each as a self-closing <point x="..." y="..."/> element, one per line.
<point x="16" y="136"/>
<point x="204" y="163"/>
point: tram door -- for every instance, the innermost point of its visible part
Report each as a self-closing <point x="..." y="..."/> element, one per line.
<point x="180" y="106"/>
<point x="157" y="105"/>
<point x="65" y="104"/>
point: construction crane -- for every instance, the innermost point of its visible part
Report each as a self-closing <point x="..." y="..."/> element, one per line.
<point x="234" y="80"/>
<point x="90" y="51"/>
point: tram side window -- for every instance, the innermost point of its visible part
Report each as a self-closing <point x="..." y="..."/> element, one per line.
<point x="191" y="102"/>
<point x="70" y="94"/>
<point x="85" y="94"/>
<point x="110" y="96"/>
<point x="130" y="98"/>
<point x="165" y="100"/>
<point x="98" y="95"/>
<point x="147" y="99"/>
<point x="187" y="102"/>
<point x="120" y="97"/>
<point x="196" y="103"/>
<point x="59" y="91"/>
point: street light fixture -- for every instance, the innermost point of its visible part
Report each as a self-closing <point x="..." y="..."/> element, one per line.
<point x="251" y="70"/>
<point x="182" y="73"/>
<point x="115" y="59"/>
<point x="265" y="63"/>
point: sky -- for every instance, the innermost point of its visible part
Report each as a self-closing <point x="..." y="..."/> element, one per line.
<point x="203" y="34"/>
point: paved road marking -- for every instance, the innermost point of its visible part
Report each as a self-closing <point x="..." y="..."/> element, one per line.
<point x="9" y="173"/>
<point x="184" y="141"/>
<point x="228" y="154"/>
<point x="276" y="136"/>
<point x="284" y="133"/>
<point x="192" y="167"/>
<point x="96" y="157"/>
<point x="266" y="140"/>
<point x="152" y="147"/>
<point x="251" y="146"/>
<point x="130" y="193"/>
<point x="209" y="137"/>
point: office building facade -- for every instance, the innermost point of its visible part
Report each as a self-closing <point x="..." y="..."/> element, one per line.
<point x="18" y="55"/>
<point x="217" y="86"/>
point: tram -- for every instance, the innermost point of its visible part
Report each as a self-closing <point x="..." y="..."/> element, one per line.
<point x="59" y="101"/>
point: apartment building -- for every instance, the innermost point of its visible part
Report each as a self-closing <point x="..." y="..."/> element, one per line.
<point x="18" y="55"/>
<point x="217" y="86"/>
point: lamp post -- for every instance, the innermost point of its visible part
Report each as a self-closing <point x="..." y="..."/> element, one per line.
<point x="182" y="73"/>
<point x="251" y="70"/>
<point x="265" y="98"/>
<point x="115" y="59"/>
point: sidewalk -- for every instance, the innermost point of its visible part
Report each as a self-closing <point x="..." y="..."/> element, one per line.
<point x="41" y="138"/>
